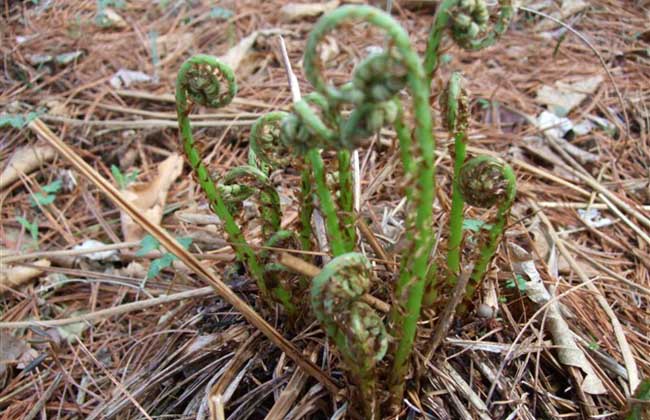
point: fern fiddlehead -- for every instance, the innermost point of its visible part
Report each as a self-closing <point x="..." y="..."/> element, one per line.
<point x="472" y="18"/>
<point x="265" y="142"/>
<point x="468" y="22"/>
<point x="487" y="182"/>
<point x="355" y="327"/>
<point x="250" y="180"/>
<point x="199" y="81"/>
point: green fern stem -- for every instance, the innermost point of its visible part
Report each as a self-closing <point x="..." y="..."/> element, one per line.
<point x="306" y="208"/>
<point x="199" y="82"/>
<point x="346" y="199"/>
<point x="432" y="53"/>
<point x="455" y="105"/>
<point x="456" y="215"/>
<point x="455" y="108"/>
<point x="337" y="243"/>
<point x="305" y="132"/>
<point x="356" y="329"/>
<point x="405" y="145"/>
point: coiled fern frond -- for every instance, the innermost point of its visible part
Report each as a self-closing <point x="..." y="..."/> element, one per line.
<point x="487" y="182"/>
<point x="355" y="327"/>
<point x="199" y="81"/>
<point x="264" y="141"/>
<point x="468" y="24"/>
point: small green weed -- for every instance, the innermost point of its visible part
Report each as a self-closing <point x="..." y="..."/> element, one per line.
<point x="47" y="196"/>
<point x="149" y="244"/>
<point x="32" y="227"/>
<point x="123" y="180"/>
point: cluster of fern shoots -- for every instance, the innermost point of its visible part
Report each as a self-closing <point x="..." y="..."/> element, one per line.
<point x="341" y="119"/>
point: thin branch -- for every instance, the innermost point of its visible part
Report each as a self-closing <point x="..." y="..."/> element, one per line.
<point x="117" y="310"/>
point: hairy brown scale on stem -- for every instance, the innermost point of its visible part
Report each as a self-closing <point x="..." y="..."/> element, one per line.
<point x="460" y="121"/>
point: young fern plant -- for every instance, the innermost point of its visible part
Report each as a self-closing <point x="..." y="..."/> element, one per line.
<point x="356" y="329"/>
<point x="454" y="103"/>
<point x="467" y="23"/>
<point x="268" y="152"/>
<point x="205" y="81"/>
<point x="487" y="182"/>
<point x="317" y="123"/>
<point x="376" y="81"/>
<point x="241" y="183"/>
<point x="455" y="107"/>
<point x="481" y="182"/>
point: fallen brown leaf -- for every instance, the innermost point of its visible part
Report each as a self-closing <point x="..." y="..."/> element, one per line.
<point x="243" y="51"/>
<point x="24" y="161"/>
<point x="568" y="351"/>
<point x="13" y="351"/>
<point x="568" y="95"/>
<point x="150" y="198"/>
<point x="16" y="276"/>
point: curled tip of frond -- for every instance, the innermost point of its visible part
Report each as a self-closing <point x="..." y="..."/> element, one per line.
<point x="202" y="76"/>
<point x="305" y="128"/>
<point x="385" y="63"/>
<point x="365" y="121"/>
<point x="470" y="20"/>
<point x="242" y="182"/>
<point x="265" y="140"/>
<point x="379" y="77"/>
<point x="376" y="81"/>
<point x="368" y="329"/>
<point x="485" y="182"/>
<point x="336" y="298"/>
